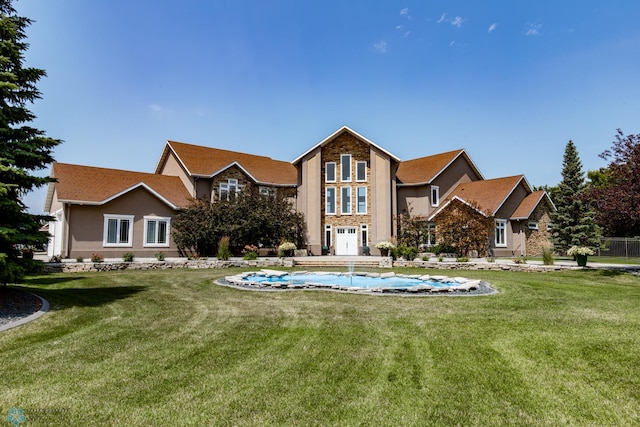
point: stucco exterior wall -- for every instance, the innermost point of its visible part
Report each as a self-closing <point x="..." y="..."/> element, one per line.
<point x="86" y="226"/>
<point x="172" y="167"/>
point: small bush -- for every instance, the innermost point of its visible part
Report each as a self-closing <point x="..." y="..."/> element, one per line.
<point x="79" y="259"/>
<point x="160" y="256"/>
<point x="547" y="256"/>
<point x="224" y="253"/>
<point x="286" y="249"/>
<point x="250" y="252"/>
<point x="403" y="251"/>
<point x="462" y="259"/>
<point x="127" y="256"/>
<point x="97" y="258"/>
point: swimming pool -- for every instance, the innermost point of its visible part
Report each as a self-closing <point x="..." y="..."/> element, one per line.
<point x="360" y="281"/>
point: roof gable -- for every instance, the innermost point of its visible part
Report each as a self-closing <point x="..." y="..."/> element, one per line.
<point x="489" y="194"/>
<point x="96" y="186"/>
<point x="530" y="203"/>
<point x="336" y="134"/>
<point x="424" y="170"/>
<point x="208" y="162"/>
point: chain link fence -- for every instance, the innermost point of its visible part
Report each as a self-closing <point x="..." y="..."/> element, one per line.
<point x="620" y="247"/>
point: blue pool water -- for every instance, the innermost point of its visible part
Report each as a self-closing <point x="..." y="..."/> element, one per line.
<point x="355" y="281"/>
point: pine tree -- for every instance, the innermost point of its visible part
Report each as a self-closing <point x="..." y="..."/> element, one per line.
<point x="23" y="149"/>
<point x="574" y="221"/>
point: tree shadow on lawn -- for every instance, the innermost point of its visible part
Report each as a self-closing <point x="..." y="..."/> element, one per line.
<point x="60" y="299"/>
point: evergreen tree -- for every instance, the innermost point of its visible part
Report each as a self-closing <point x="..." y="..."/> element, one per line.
<point x="23" y="149"/>
<point x="574" y="221"/>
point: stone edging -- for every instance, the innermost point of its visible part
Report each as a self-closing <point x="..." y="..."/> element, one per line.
<point x="43" y="309"/>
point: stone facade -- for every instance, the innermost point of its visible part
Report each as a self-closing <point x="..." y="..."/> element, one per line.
<point x="346" y="143"/>
<point x="540" y="238"/>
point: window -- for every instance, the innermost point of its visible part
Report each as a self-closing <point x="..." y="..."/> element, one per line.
<point x="118" y="230"/>
<point x="533" y="225"/>
<point x="345" y="168"/>
<point x="361" y="171"/>
<point x="361" y="200"/>
<point x="156" y="231"/>
<point x="264" y="191"/>
<point x="501" y="232"/>
<point x="330" y="201"/>
<point x="435" y="195"/>
<point x="327" y="235"/>
<point x="431" y="234"/>
<point x="364" y="234"/>
<point x="330" y="172"/>
<point x="229" y="187"/>
<point x="345" y="201"/>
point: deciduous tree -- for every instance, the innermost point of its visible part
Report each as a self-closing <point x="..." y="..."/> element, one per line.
<point x="616" y="192"/>
<point x="23" y="149"/>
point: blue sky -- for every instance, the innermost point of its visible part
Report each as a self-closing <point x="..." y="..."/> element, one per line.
<point x="509" y="81"/>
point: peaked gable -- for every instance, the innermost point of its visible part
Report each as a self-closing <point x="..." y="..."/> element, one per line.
<point x="337" y="133"/>
<point x="530" y="203"/>
<point x="424" y="170"/>
<point x="208" y="162"/>
<point x="489" y="195"/>
<point x="96" y="186"/>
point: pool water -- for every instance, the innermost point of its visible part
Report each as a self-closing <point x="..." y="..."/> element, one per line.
<point x="356" y="281"/>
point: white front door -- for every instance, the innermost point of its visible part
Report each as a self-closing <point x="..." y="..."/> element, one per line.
<point x="347" y="241"/>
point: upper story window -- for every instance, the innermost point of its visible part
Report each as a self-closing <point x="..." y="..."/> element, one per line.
<point x="361" y="202"/>
<point x="435" y="195"/>
<point x="330" y="172"/>
<point x="345" y="201"/>
<point x="264" y="191"/>
<point x="361" y="171"/>
<point x="330" y="200"/>
<point x="501" y="233"/>
<point x="229" y="187"/>
<point x="156" y="231"/>
<point x="345" y="168"/>
<point x="118" y="230"/>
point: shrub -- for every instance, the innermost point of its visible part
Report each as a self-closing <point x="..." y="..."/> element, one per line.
<point x="250" y="252"/>
<point x="160" y="256"/>
<point x="407" y="252"/>
<point x="97" y="258"/>
<point x="127" y="256"/>
<point x="79" y="259"/>
<point x="547" y="256"/>
<point x="580" y="250"/>
<point x="224" y="253"/>
<point x="462" y="259"/>
<point x="385" y="244"/>
<point x="443" y="249"/>
<point x="286" y="249"/>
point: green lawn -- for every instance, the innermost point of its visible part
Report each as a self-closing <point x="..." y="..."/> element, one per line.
<point x="169" y="348"/>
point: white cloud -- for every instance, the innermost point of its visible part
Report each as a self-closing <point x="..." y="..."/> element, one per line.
<point x="452" y="43"/>
<point x="457" y="21"/>
<point x="533" y="30"/>
<point x="492" y="27"/>
<point x="405" y="11"/>
<point x="381" y="46"/>
<point x="443" y="17"/>
<point x="156" y="111"/>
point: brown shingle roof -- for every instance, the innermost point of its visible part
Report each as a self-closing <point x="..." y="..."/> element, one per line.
<point x="528" y="205"/>
<point x="423" y="170"/>
<point x="93" y="185"/>
<point x="207" y="161"/>
<point x="489" y="194"/>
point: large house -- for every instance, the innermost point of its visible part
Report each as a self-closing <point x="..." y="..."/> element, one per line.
<point x="349" y="189"/>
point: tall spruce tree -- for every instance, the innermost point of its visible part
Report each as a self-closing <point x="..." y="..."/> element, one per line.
<point x="574" y="221"/>
<point x="23" y="149"/>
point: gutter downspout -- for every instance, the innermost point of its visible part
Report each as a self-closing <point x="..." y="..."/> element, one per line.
<point x="66" y="231"/>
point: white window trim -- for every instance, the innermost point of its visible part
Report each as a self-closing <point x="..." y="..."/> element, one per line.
<point x="364" y="166"/>
<point x="358" y="203"/>
<point x="326" y="171"/>
<point x="501" y="223"/>
<point x="328" y="228"/>
<point x="105" y="231"/>
<point x="435" y="201"/>
<point x="226" y="187"/>
<point x="364" y="229"/>
<point x="326" y="200"/>
<point x="342" y="201"/>
<point x="342" y="157"/>
<point x="167" y="232"/>
<point x="533" y="225"/>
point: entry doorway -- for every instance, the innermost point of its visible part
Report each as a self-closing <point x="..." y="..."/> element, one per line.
<point x="346" y="241"/>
